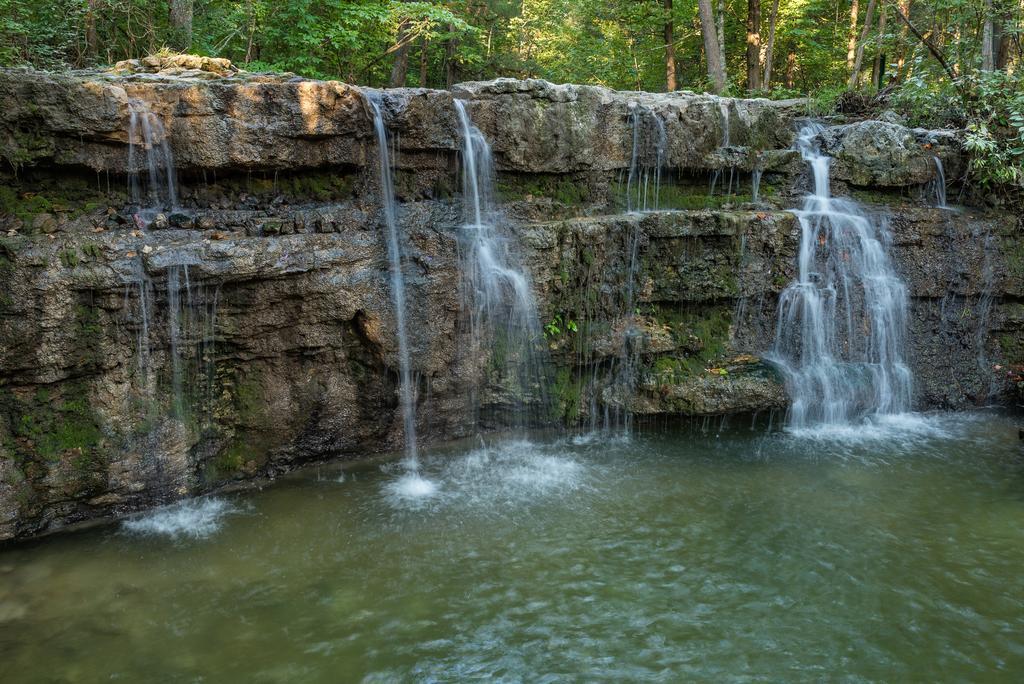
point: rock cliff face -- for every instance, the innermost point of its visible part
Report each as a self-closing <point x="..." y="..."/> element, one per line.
<point x="252" y="329"/>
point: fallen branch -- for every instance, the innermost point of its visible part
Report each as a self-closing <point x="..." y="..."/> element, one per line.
<point x="928" y="44"/>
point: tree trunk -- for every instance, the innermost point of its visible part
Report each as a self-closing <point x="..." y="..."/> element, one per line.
<point x="790" y="78"/>
<point x="901" y="59"/>
<point x="720" y="28"/>
<point x="753" y="44"/>
<point x="400" y="69"/>
<point x="878" y="72"/>
<point x="712" y="50"/>
<point x="91" y="42"/>
<point x="1003" y="41"/>
<point x="859" y="59"/>
<point x="988" y="48"/>
<point x="180" y="18"/>
<point x="423" y="62"/>
<point x="670" y="49"/>
<point x="851" y="48"/>
<point x="250" y="45"/>
<point x="771" y="46"/>
<point x="450" y="46"/>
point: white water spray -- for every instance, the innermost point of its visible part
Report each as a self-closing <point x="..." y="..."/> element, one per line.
<point x="503" y="318"/>
<point x="148" y="138"/>
<point x="841" y="324"/>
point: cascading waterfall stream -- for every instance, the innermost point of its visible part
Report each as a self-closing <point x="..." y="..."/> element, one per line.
<point x="841" y="324"/>
<point x="412" y="484"/>
<point x="146" y="133"/>
<point x="647" y="161"/>
<point x="497" y="294"/>
<point x="642" y="167"/>
<point x="723" y="145"/>
<point x="939" y="184"/>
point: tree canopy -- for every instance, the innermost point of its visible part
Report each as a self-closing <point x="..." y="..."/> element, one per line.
<point x="812" y="45"/>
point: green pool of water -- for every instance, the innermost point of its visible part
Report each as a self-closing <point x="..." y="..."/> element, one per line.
<point x="892" y="553"/>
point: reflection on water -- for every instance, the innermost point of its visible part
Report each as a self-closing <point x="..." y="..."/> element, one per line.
<point x="669" y="557"/>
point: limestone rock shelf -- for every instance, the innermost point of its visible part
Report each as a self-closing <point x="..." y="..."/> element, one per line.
<point x="251" y="329"/>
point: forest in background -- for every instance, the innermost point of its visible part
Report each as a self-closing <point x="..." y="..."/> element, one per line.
<point x="937" y="62"/>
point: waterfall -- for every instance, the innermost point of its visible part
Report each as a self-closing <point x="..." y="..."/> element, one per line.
<point x="649" y="153"/>
<point x="146" y="132"/>
<point x="723" y="110"/>
<point x="387" y="198"/>
<point x="191" y="332"/>
<point x="755" y="184"/>
<point x="939" y="184"/>
<point x="642" y="167"/>
<point x="503" y="320"/>
<point x="723" y="144"/>
<point x="841" y="324"/>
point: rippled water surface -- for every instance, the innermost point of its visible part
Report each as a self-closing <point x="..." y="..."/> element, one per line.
<point x="894" y="552"/>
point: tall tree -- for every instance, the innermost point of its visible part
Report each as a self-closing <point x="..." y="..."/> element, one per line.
<point x="770" y="49"/>
<point x="91" y="41"/>
<point x="720" y="28"/>
<point x="753" y="44"/>
<point x="859" y="58"/>
<point x="670" y="49"/>
<point x="712" y="53"/>
<point x="451" y="48"/>
<point x="903" y="8"/>
<point x="878" y="71"/>
<point x="851" y="44"/>
<point x="180" y="18"/>
<point x="400" y="68"/>
<point x="988" y="46"/>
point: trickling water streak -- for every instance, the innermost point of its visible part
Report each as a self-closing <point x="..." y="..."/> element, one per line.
<point x="723" y="109"/>
<point x="502" y="313"/>
<point x="755" y="185"/>
<point x="841" y="325"/>
<point x="146" y="131"/>
<point x="174" y="333"/>
<point x="982" y="313"/>
<point x="724" y="143"/>
<point x="641" y="164"/>
<point x="939" y="184"/>
<point x="145" y="311"/>
<point x="648" y="157"/>
<point x="387" y="191"/>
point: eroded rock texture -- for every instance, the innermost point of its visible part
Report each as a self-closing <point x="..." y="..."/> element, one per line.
<point x="252" y="329"/>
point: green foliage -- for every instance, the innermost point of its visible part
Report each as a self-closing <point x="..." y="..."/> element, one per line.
<point x="558" y="324"/>
<point x="46" y="35"/>
<point x="46" y="427"/>
<point x="567" y="392"/>
<point x="990" y="106"/>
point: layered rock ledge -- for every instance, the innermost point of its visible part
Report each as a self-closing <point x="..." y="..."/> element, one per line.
<point x="251" y="329"/>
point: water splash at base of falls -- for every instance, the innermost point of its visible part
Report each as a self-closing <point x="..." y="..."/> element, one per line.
<point x="842" y="323"/>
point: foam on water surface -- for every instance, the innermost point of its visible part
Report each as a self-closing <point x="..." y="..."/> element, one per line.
<point x="191" y="518"/>
<point x="507" y="473"/>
